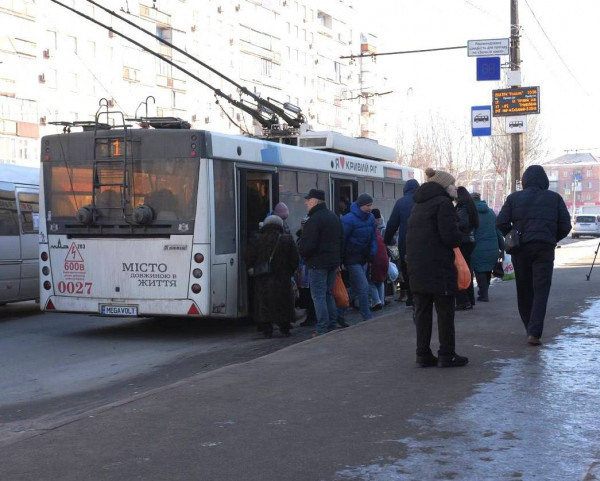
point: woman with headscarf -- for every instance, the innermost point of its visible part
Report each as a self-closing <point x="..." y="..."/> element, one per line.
<point x="430" y="239"/>
<point x="273" y="295"/>
<point x="468" y="221"/>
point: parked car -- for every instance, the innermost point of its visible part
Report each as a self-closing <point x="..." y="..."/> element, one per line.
<point x="586" y="225"/>
<point x="19" y="210"/>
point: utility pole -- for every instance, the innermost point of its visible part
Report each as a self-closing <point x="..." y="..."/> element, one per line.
<point x="515" y="65"/>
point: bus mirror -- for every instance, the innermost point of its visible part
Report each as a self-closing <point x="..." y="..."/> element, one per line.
<point x="85" y="215"/>
<point x="143" y="214"/>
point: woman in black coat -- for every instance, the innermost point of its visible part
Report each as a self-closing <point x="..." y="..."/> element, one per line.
<point x="273" y="294"/>
<point x="431" y="236"/>
<point x="468" y="221"/>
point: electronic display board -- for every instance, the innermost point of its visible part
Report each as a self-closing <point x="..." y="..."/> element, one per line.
<point x="516" y="101"/>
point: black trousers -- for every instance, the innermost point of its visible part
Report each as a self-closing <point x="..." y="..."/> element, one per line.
<point x="444" y="306"/>
<point x="404" y="270"/>
<point x="483" y="284"/>
<point x="467" y="296"/>
<point x="533" y="263"/>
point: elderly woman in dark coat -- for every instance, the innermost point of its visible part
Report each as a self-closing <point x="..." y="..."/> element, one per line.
<point x="273" y="295"/>
<point x="432" y="234"/>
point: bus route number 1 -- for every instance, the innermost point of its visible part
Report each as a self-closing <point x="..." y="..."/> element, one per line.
<point x="75" y="287"/>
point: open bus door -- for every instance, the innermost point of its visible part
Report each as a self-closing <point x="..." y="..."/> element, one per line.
<point x="343" y="190"/>
<point x="258" y="194"/>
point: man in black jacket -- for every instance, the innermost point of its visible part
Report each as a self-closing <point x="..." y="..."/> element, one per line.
<point x="321" y="247"/>
<point x="542" y="219"/>
<point x="431" y="237"/>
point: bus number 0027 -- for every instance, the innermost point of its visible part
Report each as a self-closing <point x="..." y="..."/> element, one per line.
<point x="75" y="287"/>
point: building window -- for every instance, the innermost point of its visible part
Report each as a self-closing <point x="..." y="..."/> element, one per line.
<point x="589" y="185"/>
<point x="324" y="19"/>
<point x="565" y="173"/>
<point x="72" y="44"/>
<point x="588" y="173"/>
<point x="266" y="67"/>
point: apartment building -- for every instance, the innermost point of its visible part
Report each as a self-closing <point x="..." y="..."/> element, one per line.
<point x="58" y="66"/>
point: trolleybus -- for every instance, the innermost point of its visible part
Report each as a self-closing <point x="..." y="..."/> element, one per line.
<point x="156" y="221"/>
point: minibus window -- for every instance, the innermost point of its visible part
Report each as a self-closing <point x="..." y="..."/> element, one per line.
<point x="9" y="224"/>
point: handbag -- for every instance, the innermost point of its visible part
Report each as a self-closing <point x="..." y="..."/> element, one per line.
<point x="462" y="269"/>
<point x="512" y="241"/>
<point x="498" y="270"/>
<point x="340" y="293"/>
<point x="263" y="268"/>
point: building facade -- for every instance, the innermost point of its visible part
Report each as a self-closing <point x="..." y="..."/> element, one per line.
<point x="57" y="66"/>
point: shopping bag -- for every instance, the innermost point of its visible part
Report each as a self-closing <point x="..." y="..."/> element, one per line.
<point x="392" y="274"/>
<point x="340" y="293"/>
<point x="462" y="269"/>
<point x="507" y="266"/>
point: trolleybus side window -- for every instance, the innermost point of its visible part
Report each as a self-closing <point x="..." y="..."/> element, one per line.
<point x="9" y="224"/>
<point x="29" y="206"/>
<point x="224" y="207"/>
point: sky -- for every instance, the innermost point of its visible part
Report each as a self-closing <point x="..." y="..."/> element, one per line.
<point x="559" y="45"/>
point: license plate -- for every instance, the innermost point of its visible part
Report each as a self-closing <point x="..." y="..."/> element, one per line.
<point x="115" y="310"/>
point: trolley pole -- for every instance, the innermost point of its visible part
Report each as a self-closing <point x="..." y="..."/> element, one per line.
<point x="515" y="65"/>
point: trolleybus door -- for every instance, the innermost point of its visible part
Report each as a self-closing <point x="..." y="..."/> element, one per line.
<point x="346" y="189"/>
<point x="258" y="193"/>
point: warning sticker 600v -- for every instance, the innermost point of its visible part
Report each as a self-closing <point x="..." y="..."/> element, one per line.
<point x="74" y="272"/>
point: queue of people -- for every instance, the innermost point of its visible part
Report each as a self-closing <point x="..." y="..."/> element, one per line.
<point x="428" y="224"/>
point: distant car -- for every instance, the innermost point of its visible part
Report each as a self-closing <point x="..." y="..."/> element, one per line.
<point x="588" y="225"/>
<point x="481" y="118"/>
<point x="516" y="123"/>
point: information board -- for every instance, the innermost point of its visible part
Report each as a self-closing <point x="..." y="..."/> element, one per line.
<point x="516" y="101"/>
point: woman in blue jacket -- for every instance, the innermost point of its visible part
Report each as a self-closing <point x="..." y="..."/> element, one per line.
<point x="360" y="247"/>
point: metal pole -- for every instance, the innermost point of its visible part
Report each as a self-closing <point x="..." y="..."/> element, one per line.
<point x="515" y="65"/>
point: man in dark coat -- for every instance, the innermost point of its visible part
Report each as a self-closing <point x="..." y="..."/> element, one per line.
<point x="399" y="222"/>
<point x="321" y="247"/>
<point x="432" y="234"/>
<point x="542" y="219"/>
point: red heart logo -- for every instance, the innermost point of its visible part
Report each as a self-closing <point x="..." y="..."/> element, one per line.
<point x="342" y="161"/>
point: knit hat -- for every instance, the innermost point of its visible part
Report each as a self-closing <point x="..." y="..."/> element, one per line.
<point x="439" y="177"/>
<point x="376" y="213"/>
<point x="475" y="196"/>
<point x="364" y="199"/>
<point x="281" y="210"/>
<point x="273" y="219"/>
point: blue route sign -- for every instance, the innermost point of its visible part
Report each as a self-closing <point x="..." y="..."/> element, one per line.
<point x="488" y="68"/>
<point x="481" y="120"/>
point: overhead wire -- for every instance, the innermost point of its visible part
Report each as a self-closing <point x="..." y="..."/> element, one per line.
<point x="562" y="60"/>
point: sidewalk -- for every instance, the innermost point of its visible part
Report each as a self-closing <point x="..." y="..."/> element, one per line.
<point x="322" y="409"/>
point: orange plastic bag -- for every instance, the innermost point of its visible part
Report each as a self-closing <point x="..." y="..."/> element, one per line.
<point x="340" y="293"/>
<point x="462" y="269"/>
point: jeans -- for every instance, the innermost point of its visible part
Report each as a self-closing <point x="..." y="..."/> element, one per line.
<point x="377" y="293"/>
<point x="321" y="290"/>
<point x="360" y="288"/>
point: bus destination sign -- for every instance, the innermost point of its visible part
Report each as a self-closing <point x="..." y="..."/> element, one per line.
<point x="516" y="101"/>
